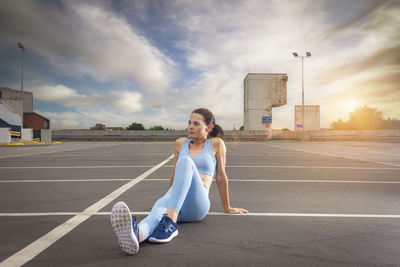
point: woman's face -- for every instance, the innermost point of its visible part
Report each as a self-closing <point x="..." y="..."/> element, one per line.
<point x="197" y="127"/>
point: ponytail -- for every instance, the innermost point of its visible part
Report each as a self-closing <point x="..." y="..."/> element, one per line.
<point x="217" y="132"/>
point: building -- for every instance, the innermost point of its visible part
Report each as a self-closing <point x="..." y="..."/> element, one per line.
<point x="262" y="92"/>
<point x="12" y="98"/>
<point x="36" y="122"/>
<point x="11" y="112"/>
<point x="311" y="117"/>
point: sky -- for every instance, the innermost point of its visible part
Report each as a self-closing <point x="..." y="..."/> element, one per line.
<point x="153" y="62"/>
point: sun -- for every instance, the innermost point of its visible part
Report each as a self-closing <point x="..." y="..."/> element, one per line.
<point x="351" y="105"/>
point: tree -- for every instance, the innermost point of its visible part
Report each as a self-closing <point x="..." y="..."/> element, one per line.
<point x="364" y="118"/>
<point x="157" y="128"/>
<point x="136" y="126"/>
<point x="241" y="128"/>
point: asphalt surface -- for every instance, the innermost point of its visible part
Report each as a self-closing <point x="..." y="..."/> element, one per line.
<point x="310" y="203"/>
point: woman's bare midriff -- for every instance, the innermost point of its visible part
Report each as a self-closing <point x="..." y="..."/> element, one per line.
<point x="207" y="180"/>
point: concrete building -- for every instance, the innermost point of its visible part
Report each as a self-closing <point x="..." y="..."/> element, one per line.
<point x="9" y="118"/>
<point x="12" y="98"/>
<point x="262" y="92"/>
<point x="36" y="122"/>
<point x="11" y="112"/>
<point x="311" y="118"/>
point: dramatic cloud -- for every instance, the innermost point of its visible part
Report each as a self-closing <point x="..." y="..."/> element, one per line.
<point x="124" y="102"/>
<point x="87" y="39"/>
<point x="154" y="62"/>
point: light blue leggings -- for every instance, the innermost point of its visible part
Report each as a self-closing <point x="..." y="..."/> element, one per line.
<point x="187" y="195"/>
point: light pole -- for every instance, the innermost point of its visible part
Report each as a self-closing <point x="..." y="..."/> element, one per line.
<point x="308" y="54"/>
<point x="20" y="46"/>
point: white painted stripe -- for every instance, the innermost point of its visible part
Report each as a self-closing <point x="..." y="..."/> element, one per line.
<point x="280" y="214"/>
<point x="48" y="152"/>
<point x="64" y="180"/>
<point x="390" y="164"/>
<point x="75" y="167"/>
<point x="299" y="181"/>
<point x="32" y="250"/>
<point x="306" y="167"/>
<point x="319" y="167"/>
<point x="230" y="180"/>
<point x="229" y="166"/>
<point x="106" y="151"/>
<point x="28" y="214"/>
<point x="387" y="153"/>
<point x="336" y="156"/>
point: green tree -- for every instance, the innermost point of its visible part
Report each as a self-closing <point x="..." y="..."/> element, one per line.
<point x="157" y="128"/>
<point x="241" y="128"/>
<point x="364" y="118"/>
<point x="136" y="126"/>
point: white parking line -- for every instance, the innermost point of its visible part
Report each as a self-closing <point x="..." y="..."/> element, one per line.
<point x="230" y="180"/>
<point x="387" y="153"/>
<point x="65" y="180"/>
<point x="228" y="166"/>
<point x="56" y="151"/>
<point x="74" y="167"/>
<point x="32" y="250"/>
<point x="317" y="167"/>
<point x="299" y="181"/>
<point x="336" y="156"/>
<point x="275" y="214"/>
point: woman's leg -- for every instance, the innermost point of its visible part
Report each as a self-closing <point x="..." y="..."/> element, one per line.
<point x="148" y="224"/>
<point x="189" y="197"/>
<point x="196" y="205"/>
<point x="187" y="192"/>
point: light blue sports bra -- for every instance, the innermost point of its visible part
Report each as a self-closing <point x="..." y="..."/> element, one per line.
<point x="205" y="161"/>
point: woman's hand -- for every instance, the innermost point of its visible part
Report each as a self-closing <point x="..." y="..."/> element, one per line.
<point x="232" y="210"/>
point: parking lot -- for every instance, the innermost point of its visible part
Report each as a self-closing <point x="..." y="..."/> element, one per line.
<point x="310" y="204"/>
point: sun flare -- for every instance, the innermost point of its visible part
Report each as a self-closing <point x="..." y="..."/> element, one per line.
<point x="351" y="105"/>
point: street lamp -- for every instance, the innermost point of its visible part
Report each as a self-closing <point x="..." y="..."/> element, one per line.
<point x="308" y="54"/>
<point x="20" y="46"/>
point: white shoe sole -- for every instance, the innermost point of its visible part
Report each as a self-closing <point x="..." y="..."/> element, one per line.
<point x="154" y="240"/>
<point x="121" y="221"/>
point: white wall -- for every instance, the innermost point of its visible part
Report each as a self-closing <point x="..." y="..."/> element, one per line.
<point x="27" y="134"/>
<point x="5" y="135"/>
<point x="45" y="135"/>
<point x="8" y="115"/>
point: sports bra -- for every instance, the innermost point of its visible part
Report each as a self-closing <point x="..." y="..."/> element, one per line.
<point x="205" y="161"/>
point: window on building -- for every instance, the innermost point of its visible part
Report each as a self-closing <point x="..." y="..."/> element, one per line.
<point x="1" y="94"/>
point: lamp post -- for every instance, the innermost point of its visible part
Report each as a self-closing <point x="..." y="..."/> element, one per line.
<point x="20" y="46"/>
<point x="308" y="54"/>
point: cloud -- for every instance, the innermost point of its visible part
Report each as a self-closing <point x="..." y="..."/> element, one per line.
<point x="86" y="38"/>
<point x="354" y="44"/>
<point x="125" y="102"/>
<point x="62" y="95"/>
<point x="224" y="42"/>
<point x="128" y="102"/>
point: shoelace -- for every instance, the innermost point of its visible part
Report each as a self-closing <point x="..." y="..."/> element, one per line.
<point x="162" y="225"/>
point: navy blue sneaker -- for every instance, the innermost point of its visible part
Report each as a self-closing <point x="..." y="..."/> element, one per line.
<point x="165" y="231"/>
<point x="125" y="228"/>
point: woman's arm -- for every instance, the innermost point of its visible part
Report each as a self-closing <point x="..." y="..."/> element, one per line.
<point x="222" y="180"/>
<point x="177" y="146"/>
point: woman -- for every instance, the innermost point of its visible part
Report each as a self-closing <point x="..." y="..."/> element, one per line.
<point x="195" y="160"/>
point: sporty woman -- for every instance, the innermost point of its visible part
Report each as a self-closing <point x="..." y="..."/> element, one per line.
<point x="196" y="159"/>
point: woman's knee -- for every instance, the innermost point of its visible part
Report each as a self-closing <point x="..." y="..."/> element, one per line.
<point x="194" y="214"/>
<point x="193" y="217"/>
<point x="185" y="160"/>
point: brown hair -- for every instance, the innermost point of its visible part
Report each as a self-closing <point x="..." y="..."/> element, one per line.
<point x="210" y="119"/>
